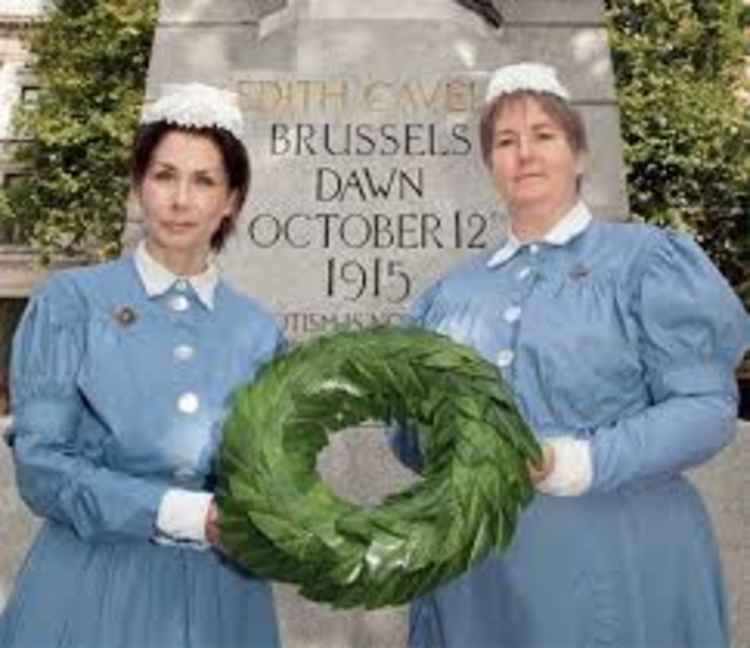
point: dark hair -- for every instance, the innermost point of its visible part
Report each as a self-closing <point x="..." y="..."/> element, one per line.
<point x="233" y="153"/>
<point x="565" y="115"/>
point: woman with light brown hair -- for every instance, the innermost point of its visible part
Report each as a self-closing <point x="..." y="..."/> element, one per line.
<point x="619" y="342"/>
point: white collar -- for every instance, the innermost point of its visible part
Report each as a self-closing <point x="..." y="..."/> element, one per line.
<point x="566" y="229"/>
<point x="157" y="279"/>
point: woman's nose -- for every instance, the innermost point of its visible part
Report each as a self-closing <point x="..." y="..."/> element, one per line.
<point x="525" y="149"/>
<point x="181" y="195"/>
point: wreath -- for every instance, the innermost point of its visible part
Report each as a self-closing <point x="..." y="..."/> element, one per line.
<point x="280" y="520"/>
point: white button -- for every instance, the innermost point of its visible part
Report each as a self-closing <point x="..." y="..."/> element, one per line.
<point x="188" y="403"/>
<point x="525" y="272"/>
<point x="512" y="313"/>
<point x="179" y="303"/>
<point x="533" y="248"/>
<point x="505" y="357"/>
<point x="183" y="352"/>
<point x="181" y="285"/>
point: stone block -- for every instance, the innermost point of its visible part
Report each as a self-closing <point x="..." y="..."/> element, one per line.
<point x="548" y="12"/>
<point x="430" y="48"/>
<point x="217" y="11"/>
<point x="305" y="624"/>
<point x="18" y="525"/>
<point x="20" y="271"/>
<point x="580" y="54"/>
<point x="604" y="176"/>
<point x="724" y="483"/>
<point x="443" y="10"/>
<point x="198" y="53"/>
<point x="553" y="12"/>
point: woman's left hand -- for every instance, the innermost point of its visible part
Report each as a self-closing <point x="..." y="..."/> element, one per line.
<point x="538" y="472"/>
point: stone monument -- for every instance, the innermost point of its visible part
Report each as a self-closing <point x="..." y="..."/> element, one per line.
<point x="368" y="182"/>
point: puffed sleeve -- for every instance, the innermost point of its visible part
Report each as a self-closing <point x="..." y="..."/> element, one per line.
<point x="59" y="475"/>
<point x="692" y="332"/>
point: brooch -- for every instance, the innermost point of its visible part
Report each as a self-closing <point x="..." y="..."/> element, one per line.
<point x="125" y="316"/>
<point x="579" y="271"/>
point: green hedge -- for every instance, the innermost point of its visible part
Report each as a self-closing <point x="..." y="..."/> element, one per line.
<point x="685" y="131"/>
<point x="675" y="61"/>
<point x="91" y="63"/>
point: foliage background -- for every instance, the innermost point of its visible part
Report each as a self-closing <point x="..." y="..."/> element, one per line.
<point x="678" y="66"/>
<point x="680" y="70"/>
<point x="91" y="58"/>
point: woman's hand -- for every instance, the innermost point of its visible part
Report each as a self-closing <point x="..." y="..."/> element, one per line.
<point x="212" y="525"/>
<point x="538" y="472"/>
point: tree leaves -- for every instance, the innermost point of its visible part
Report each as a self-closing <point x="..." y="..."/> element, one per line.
<point x="679" y="68"/>
<point x="281" y="521"/>
<point x="90" y="60"/>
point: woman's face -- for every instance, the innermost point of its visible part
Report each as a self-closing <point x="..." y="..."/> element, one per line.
<point x="533" y="165"/>
<point x="185" y="193"/>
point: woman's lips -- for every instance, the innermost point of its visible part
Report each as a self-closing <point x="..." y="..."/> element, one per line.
<point x="529" y="176"/>
<point x="178" y="227"/>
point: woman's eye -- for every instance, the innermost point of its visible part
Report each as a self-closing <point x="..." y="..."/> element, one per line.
<point x="546" y="135"/>
<point x="206" y="181"/>
<point x="503" y="142"/>
<point x="162" y="175"/>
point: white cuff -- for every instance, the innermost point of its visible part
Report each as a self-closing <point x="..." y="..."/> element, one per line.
<point x="573" y="469"/>
<point x="182" y="515"/>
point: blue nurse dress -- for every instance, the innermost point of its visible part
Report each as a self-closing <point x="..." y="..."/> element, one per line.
<point x="117" y="397"/>
<point x="625" y="336"/>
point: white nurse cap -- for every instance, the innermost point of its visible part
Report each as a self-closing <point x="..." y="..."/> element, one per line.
<point x="536" y="77"/>
<point x="196" y="105"/>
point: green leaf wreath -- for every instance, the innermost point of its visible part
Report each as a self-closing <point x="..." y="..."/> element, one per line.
<point x="281" y="521"/>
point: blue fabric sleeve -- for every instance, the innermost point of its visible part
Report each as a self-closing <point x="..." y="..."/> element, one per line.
<point x="58" y="474"/>
<point x="692" y="334"/>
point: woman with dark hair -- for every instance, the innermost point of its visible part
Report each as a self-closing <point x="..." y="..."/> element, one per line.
<point x="619" y="342"/>
<point x="120" y="376"/>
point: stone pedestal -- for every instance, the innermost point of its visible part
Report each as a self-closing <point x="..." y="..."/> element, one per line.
<point x="725" y="485"/>
<point x="18" y="525"/>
